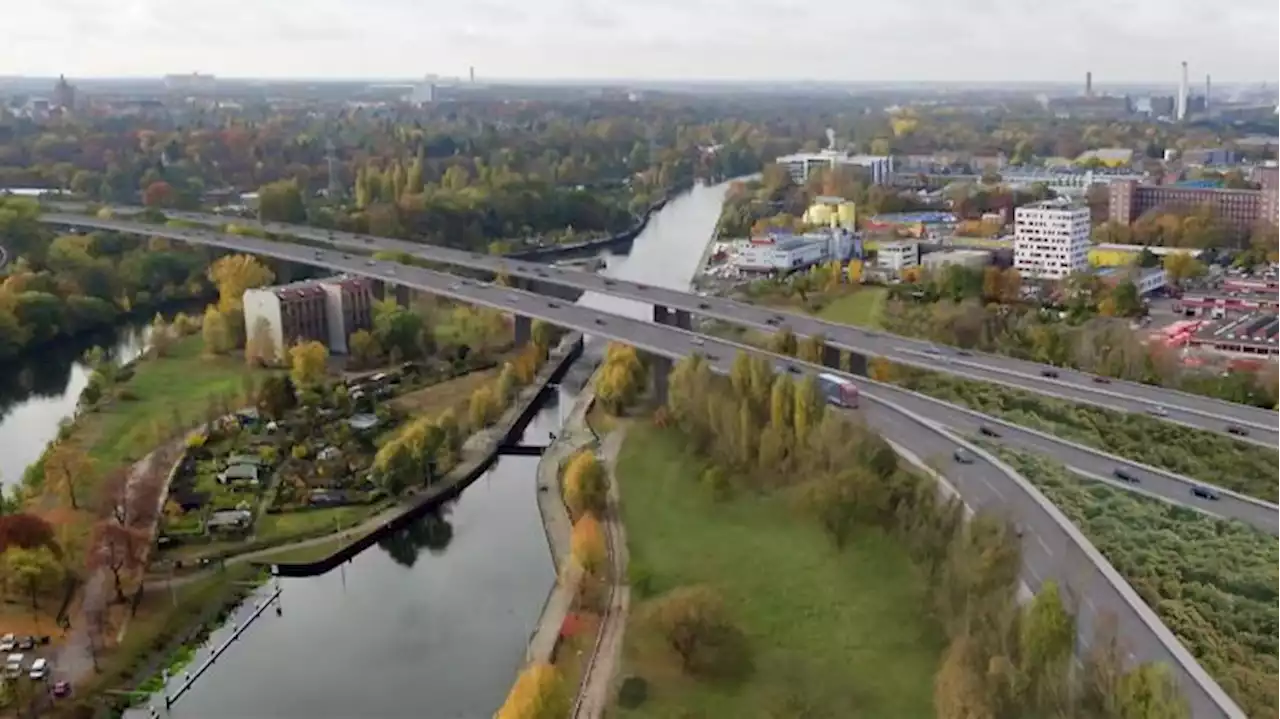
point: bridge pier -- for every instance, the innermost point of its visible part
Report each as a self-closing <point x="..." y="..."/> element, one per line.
<point x="523" y="329"/>
<point x="858" y="364"/>
<point x="683" y="320"/>
<point x="403" y="295"/>
<point x="830" y="357"/>
<point x="659" y="372"/>
<point x="661" y="314"/>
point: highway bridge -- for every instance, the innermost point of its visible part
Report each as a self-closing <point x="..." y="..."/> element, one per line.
<point x="1262" y="426"/>
<point x="1051" y="546"/>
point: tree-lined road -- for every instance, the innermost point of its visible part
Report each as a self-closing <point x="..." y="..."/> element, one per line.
<point x="1262" y="426"/>
<point x="1052" y="546"/>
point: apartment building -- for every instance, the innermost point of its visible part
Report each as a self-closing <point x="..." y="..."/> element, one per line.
<point x="1051" y="239"/>
<point x="1241" y="209"/>
<point x="896" y="256"/>
<point x="325" y="310"/>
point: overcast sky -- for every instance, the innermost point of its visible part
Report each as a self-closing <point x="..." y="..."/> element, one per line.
<point x="853" y="40"/>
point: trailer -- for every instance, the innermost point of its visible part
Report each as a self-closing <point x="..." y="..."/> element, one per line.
<point x="838" y="390"/>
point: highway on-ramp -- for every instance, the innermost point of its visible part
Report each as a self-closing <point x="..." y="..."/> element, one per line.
<point x="1262" y="426"/>
<point x="1052" y="546"/>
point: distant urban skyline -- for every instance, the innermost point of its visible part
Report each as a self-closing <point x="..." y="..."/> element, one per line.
<point x="1120" y="41"/>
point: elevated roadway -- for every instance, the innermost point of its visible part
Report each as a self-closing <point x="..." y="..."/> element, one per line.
<point x="1260" y="426"/>
<point x="1052" y="546"/>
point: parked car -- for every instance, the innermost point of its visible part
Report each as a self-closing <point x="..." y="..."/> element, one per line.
<point x="39" y="669"/>
<point x="13" y="665"/>
<point x="26" y="643"/>
<point x="61" y="689"/>
<point x="1124" y="475"/>
<point x="8" y="643"/>
<point x="1205" y="493"/>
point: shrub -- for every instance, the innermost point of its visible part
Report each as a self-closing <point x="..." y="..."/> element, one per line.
<point x="633" y="693"/>
<point x="715" y="480"/>
<point x="694" y="624"/>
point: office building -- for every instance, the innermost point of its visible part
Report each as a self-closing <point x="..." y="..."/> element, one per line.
<point x="1241" y="209"/>
<point x="326" y="310"/>
<point x="879" y="169"/>
<point x="1051" y="239"/>
<point x="64" y="94"/>
<point x="897" y="256"/>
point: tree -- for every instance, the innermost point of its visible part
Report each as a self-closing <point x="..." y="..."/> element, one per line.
<point x="1047" y="635"/>
<point x="307" y="364"/>
<point x="398" y="328"/>
<point x="365" y="349"/>
<point x="585" y="487"/>
<point x="275" y="396"/>
<point x="1182" y="266"/>
<point x="541" y="333"/>
<point x="483" y="409"/>
<point x="539" y="693"/>
<point x="281" y="202"/>
<point x="693" y="622"/>
<point x="25" y="531"/>
<point x="783" y="342"/>
<point x="67" y="467"/>
<point x="587" y="545"/>
<point x="959" y="690"/>
<point x="32" y="569"/>
<point x="809" y="408"/>
<point x="120" y="549"/>
<point x="260" y="350"/>
<point x="232" y="275"/>
<point x="620" y="379"/>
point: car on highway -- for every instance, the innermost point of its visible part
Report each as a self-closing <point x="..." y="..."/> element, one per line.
<point x="1205" y="493"/>
<point x="988" y="431"/>
<point x="1125" y="475"/>
<point x="962" y="457"/>
<point x="932" y="351"/>
<point x="1158" y="410"/>
<point x="697" y="341"/>
<point x="1237" y="430"/>
<point x="1102" y="380"/>
<point x="964" y="353"/>
<point x="1050" y="373"/>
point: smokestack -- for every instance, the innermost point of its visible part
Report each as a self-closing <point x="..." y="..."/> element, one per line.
<point x="1088" y="84"/>
<point x="1208" y="88"/>
<point x="1182" y="93"/>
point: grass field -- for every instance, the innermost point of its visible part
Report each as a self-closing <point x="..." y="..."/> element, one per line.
<point x="271" y="527"/>
<point x="455" y="393"/>
<point x="862" y="308"/>
<point x="832" y="633"/>
<point x="165" y="390"/>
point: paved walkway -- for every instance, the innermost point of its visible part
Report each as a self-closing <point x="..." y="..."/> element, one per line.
<point x="597" y="682"/>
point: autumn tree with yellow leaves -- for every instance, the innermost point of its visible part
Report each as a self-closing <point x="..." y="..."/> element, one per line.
<point x="539" y="693"/>
<point x="584" y="484"/>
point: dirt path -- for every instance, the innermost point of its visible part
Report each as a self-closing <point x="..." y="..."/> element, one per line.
<point x="597" y="680"/>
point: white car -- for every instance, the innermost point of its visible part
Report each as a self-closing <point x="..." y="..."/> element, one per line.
<point x="13" y="665"/>
<point x="1158" y="410"/>
<point x="8" y="643"/>
<point x="39" y="669"/>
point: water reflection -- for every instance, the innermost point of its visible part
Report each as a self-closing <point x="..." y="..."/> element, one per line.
<point x="433" y="533"/>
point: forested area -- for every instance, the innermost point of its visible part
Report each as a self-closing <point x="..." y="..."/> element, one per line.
<point x="57" y="286"/>
<point x="1213" y="582"/>
<point x="767" y="433"/>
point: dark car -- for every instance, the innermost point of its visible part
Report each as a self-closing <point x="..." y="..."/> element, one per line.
<point x="1205" y="493"/>
<point x="26" y="643"/>
<point x="988" y="431"/>
<point x="1050" y="373"/>
<point x="1124" y="475"/>
<point x="1102" y="380"/>
<point x="964" y="353"/>
<point x="962" y="456"/>
<point x="1237" y="430"/>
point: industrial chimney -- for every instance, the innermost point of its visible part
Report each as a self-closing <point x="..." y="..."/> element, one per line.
<point x="1208" y="88"/>
<point x="1182" y="93"/>
<point x="1088" y="84"/>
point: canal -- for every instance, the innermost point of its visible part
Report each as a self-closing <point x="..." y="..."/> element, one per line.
<point x="432" y="622"/>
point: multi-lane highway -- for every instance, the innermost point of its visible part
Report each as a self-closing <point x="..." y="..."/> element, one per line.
<point x="1052" y="546"/>
<point x="1258" y="426"/>
<point x="1166" y="485"/>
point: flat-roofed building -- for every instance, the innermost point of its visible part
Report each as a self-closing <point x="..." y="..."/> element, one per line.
<point x="325" y="310"/>
<point x="1252" y="334"/>
<point x="1241" y="209"/>
<point x="1051" y="239"/>
<point x="879" y="168"/>
<point x="897" y="256"/>
<point x="974" y="259"/>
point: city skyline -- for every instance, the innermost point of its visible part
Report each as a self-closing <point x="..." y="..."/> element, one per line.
<point x="1120" y="41"/>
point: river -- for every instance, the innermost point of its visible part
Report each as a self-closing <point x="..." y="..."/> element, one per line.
<point x="434" y="622"/>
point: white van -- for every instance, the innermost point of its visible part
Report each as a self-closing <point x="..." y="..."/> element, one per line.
<point x="39" y="669"/>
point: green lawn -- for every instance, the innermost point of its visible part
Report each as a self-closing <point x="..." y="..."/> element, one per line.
<point x="167" y="390"/>
<point x="271" y="527"/>
<point x="862" y="308"/>
<point x="836" y="633"/>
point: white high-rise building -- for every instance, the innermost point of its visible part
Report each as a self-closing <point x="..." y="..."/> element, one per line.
<point x="1051" y="239"/>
